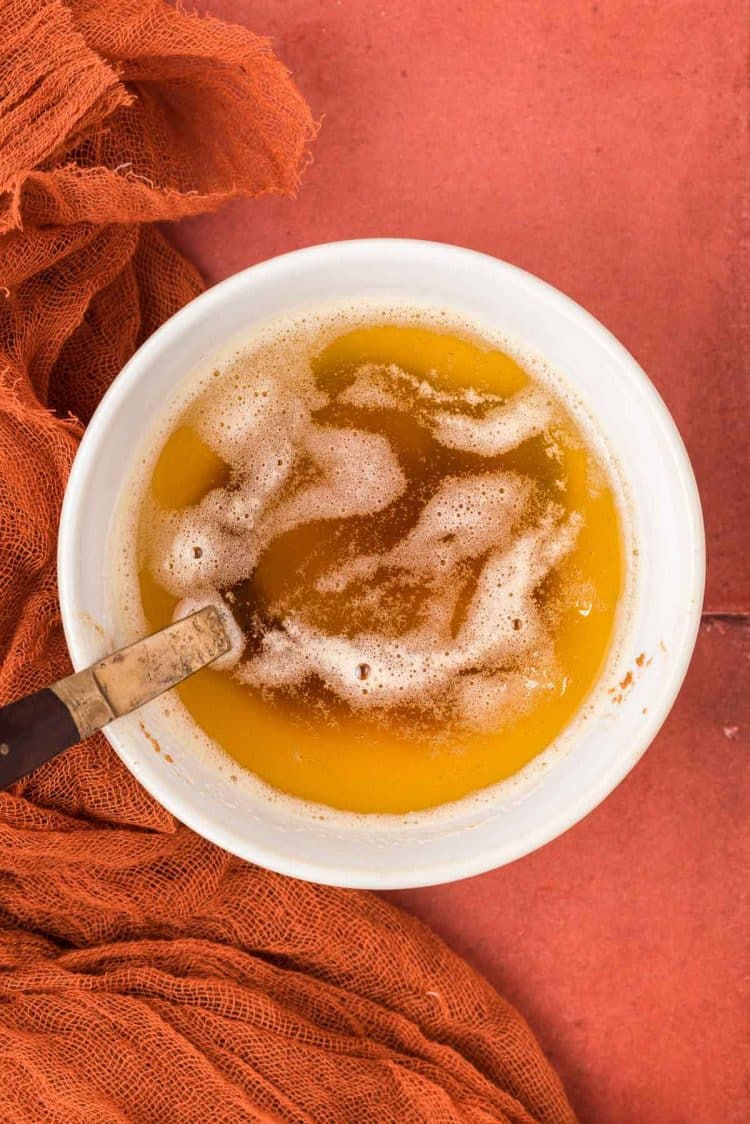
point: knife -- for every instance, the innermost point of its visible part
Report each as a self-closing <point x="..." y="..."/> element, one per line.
<point x="35" y="728"/>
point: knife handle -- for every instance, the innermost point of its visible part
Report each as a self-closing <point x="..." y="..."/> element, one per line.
<point x="32" y="730"/>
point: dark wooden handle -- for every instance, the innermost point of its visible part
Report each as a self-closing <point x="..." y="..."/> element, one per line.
<point x="31" y="731"/>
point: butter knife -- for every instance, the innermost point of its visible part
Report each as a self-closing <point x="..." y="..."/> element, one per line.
<point x="38" y="727"/>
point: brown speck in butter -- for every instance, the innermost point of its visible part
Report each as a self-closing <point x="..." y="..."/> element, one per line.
<point x="151" y="738"/>
<point x="92" y="624"/>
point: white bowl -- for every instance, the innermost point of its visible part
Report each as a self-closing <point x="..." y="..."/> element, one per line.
<point x="666" y="588"/>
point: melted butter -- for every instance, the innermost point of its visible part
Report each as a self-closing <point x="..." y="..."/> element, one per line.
<point x="357" y="761"/>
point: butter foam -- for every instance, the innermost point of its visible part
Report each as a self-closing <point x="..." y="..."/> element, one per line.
<point x="477" y="647"/>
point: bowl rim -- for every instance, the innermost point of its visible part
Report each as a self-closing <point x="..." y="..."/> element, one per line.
<point x="574" y="810"/>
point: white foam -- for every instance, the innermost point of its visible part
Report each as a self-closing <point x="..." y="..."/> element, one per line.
<point x="378" y="386"/>
<point x="281" y="662"/>
<point x="264" y="472"/>
<point x="217" y="543"/>
<point x="477" y="549"/>
<point x="500" y="426"/>
<point x="485" y="701"/>
<point x="463" y="519"/>
<point x="503" y="619"/>
<point x="370" y="390"/>
<point x="526" y="414"/>
<point x="502" y="623"/>
<point x="273" y="398"/>
<point x="397" y="672"/>
<point x="359" y="475"/>
<point x="200" y="554"/>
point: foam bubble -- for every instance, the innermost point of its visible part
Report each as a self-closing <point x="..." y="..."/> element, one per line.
<point x="281" y="662"/>
<point x="200" y="554"/>
<point x="503" y="617"/>
<point x="397" y="671"/>
<point x="464" y="518"/>
<point x="500" y="425"/>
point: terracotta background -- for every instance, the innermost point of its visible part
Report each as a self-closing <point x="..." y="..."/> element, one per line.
<point x="602" y="146"/>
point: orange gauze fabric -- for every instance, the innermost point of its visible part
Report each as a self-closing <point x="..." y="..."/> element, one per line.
<point x="145" y="975"/>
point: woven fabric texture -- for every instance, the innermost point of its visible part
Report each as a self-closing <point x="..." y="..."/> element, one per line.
<point x="146" y="975"/>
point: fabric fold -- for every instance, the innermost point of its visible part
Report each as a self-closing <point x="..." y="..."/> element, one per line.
<point x="146" y="975"/>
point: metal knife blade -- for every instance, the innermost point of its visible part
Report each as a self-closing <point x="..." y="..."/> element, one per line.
<point x="125" y="680"/>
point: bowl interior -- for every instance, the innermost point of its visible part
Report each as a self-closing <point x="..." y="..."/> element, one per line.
<point x="656" y="641"/>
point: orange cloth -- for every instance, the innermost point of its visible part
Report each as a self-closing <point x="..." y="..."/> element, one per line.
<point x="146" y="975"/>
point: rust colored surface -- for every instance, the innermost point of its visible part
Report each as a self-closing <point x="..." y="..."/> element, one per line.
<point x="625" y="942"/>
<point x="599" y="145"/>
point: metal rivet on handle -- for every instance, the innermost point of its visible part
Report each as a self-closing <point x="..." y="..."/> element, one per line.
<point x="4" y="749"/>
